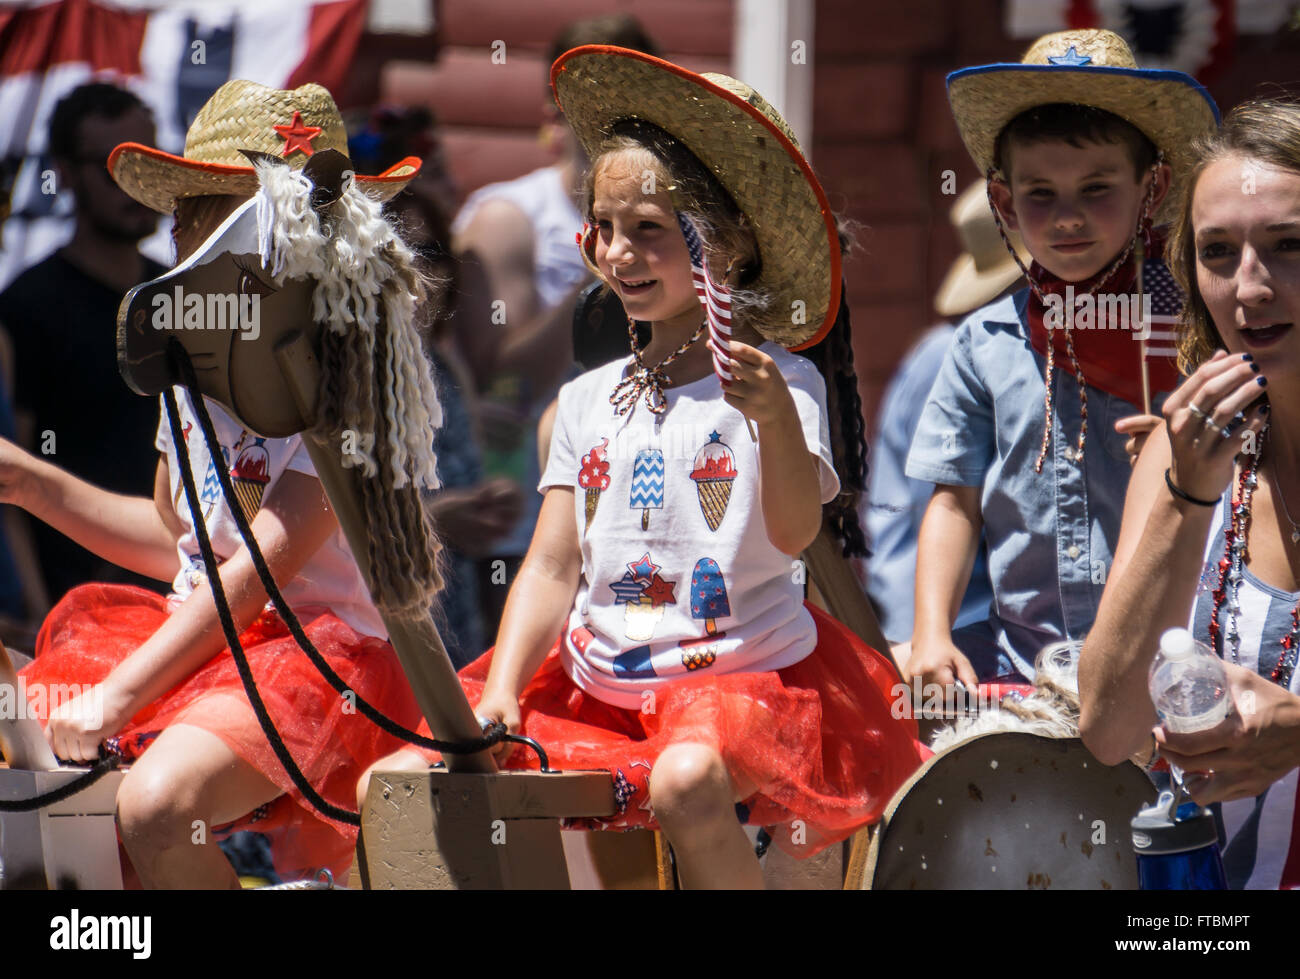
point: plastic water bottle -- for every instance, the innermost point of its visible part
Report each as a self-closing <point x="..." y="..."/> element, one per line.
<point x="1187" y="684"/>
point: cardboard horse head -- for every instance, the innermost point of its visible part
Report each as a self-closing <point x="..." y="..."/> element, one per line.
<point x="222" y="307"/>
<point x="310" y="260"/>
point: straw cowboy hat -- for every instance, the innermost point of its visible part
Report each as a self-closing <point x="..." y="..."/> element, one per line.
<point x="1085" y="67"/>
<point x="985" y="269"/>
<point x="243" y="115"/>
<point x="750" y="150"/>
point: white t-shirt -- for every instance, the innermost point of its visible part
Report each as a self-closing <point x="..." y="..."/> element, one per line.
<point x="545" y="201"/>
<point x="678" y="574"/>
<point x="330" y="577"/>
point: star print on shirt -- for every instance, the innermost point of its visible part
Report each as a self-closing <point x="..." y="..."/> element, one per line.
<point x="645" y="569"/>
<point x="297" y="136"/>
<point x="660" y="592"/>
<point x="1071" y="58"/>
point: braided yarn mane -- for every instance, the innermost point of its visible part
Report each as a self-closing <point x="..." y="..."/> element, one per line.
<point x="377" y="402"/>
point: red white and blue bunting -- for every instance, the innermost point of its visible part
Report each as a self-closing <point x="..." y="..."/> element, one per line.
<point x="1195" y="36"/>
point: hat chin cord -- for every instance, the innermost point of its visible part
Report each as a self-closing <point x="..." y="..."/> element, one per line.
<point x="1135" y="246"/>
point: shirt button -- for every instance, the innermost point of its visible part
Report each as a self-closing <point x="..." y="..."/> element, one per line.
<point x="1073" y="551"/>
<point x="586" y="611"/>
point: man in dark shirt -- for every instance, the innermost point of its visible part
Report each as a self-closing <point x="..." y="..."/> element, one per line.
<point x="72" y="404"/>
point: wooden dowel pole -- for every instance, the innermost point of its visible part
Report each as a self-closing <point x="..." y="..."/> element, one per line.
<point x="839" y="586"/>
<point x="418" y="646"/>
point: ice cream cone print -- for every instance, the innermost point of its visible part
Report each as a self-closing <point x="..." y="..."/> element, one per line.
<point x="594" y="478"/>
<point x="249" y="476"/>
<point x="640" y="619"/>
<point x="709" y="594"/>
<point x="714" y="473"/>
<point x="647" y="484"/>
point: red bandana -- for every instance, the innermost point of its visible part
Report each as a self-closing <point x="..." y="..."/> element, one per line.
<point x="1110" y="354"/>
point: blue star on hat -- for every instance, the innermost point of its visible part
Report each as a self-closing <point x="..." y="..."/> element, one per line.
<point x="1071" y="58"/>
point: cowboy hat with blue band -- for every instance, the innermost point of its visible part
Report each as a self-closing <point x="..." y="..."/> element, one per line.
<point x="1084" y="67"/>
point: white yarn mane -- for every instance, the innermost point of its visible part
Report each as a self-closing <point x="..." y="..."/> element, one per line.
<point x="349" y="260"/>
<point x="1051" y="711"/>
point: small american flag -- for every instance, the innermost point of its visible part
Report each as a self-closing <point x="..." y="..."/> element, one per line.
<point x="716" y="300"/>
<point x="1166" y="304"/>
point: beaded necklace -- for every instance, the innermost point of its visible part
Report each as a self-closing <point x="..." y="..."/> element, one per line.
<point x="1049" y="372"/>
<point x="1231" y="572"/>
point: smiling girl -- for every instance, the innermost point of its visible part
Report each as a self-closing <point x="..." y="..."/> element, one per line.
<point x="1208" y="540"/>
<point x="657" y="627"/>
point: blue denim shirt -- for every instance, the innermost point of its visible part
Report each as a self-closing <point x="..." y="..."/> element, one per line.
<point x="894" y="505"/>
<point x="1051" y="535"/>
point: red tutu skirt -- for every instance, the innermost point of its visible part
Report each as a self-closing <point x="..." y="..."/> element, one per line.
<point x="95" y="627"/>
<point x="818" y="738"/>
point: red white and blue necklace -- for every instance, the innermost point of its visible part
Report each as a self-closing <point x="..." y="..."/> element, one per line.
<point x="1232" y="570"/>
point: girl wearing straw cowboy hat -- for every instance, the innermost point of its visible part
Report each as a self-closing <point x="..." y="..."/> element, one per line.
<point x="1080" y="148"/>
<point x="166" y="688"/>
<point x="686" y="662"/>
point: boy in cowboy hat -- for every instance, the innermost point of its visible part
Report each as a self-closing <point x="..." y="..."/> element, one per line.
<point x="1081" y="149"/>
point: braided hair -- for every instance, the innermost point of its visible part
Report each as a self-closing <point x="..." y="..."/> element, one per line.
<point x="834" y="359"/>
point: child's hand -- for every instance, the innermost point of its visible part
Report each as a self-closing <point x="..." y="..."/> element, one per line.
<point x="504" y="708"/>
<point x="757" y="389"/>
<point x="1137" y="428"/>
<point x="78" y="726"/>
<point x="939" y="661"/>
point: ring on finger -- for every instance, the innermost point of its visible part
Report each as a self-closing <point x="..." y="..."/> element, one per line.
<point x="1233" y="424"/>
<point x="1200" y="414"/>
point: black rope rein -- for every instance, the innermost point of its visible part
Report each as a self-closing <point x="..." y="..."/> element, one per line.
<point x="108" y="760"/>
<point x="493" y="735"/>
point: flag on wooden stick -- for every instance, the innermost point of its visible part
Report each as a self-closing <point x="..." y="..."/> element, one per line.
<point x="716" y="299"/>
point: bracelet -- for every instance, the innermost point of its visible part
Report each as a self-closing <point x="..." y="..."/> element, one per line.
<point x="1183" y="496"/>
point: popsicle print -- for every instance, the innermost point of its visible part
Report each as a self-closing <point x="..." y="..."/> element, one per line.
<point x="647" y="484"/>
<point x="709" y="594"/>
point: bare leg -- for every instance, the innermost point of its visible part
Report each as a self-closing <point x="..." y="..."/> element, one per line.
<point x="186" y="782"/>
<point x="694" y="801"/>
<point x="401" y="760"/>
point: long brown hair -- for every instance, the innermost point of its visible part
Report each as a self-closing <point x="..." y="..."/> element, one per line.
<point x="730" y="243"/>
<point x="1266" y="131"/>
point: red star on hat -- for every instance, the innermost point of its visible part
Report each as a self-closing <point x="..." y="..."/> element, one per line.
<point x="297" y="136"/>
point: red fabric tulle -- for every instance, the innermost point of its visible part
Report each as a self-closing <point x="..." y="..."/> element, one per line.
<point x="97" y="626"/>
<point x="818" y="738"/>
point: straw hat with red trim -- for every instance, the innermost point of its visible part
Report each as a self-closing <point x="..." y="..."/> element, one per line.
<point x="749" y="149"/>
<point x="243" y="115"/>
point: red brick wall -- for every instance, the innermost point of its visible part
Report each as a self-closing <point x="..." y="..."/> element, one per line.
<point x="883" y="135"/>
<point x="882" y="132"/>
<point x="489" y="112"/>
